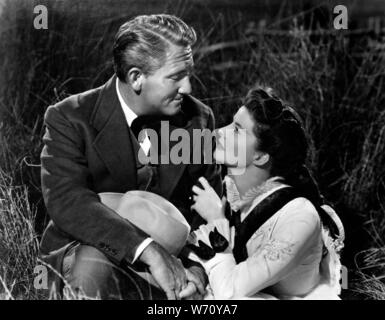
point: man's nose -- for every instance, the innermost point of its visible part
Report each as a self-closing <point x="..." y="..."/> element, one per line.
<point x="185" y="87"/>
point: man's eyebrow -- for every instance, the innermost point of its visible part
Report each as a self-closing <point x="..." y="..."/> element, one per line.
<point x="181" y="72"/>
<point x="177" y="72"/>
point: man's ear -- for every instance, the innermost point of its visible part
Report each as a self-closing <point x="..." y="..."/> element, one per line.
<point x="134" y="79"/>
<point x="261" y="159"/>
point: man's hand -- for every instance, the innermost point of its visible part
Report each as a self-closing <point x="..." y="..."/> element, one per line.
<point x="190" y="292"/>
<point x="197" y="282"/>
<point x="167" y="270"/>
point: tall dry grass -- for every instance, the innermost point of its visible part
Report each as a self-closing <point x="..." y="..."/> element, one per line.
<point x="18" y="240"/>
<point x="336" y="81"/>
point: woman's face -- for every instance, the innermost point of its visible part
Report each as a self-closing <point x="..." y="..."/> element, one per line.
<point x="236" y="143"/>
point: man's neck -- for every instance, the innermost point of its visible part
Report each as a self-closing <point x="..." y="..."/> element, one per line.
<point x="247" y="178"/>
<point x="130" y="98"/>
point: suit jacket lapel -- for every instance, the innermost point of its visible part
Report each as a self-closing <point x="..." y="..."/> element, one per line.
<point x="113" y="142"/>
<point x="115" y="147"/>
<point x="171" y="173"/>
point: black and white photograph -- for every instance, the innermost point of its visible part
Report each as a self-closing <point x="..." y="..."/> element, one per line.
<point x="192" y="150"/>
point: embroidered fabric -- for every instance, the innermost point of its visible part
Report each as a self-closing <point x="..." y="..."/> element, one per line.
<point x="276" y="249"/>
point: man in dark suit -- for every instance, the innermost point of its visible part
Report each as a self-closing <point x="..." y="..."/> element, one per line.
<point x="90" y="146"/>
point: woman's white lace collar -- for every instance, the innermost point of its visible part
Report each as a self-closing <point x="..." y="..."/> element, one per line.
<point x="240" y="203"/>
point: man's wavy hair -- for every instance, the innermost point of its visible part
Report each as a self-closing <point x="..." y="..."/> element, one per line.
<point x="143" y="42"/>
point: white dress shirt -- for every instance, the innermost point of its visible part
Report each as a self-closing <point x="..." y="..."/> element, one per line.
<point x="145" y="144"/>
<point x="130" y="117"/>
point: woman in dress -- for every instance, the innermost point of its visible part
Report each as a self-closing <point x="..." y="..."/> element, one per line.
<point x="273" y="237"/>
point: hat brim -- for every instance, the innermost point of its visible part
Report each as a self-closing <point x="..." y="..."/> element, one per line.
<point x="153" y="214"/>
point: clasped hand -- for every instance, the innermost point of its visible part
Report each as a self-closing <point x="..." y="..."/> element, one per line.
<point x="169" y="273"/>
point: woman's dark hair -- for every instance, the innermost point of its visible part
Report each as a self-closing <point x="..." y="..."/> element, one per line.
<point x="281" y="134"/>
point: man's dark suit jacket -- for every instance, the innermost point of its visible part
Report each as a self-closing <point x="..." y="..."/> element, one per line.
<point x="88" y="149"/>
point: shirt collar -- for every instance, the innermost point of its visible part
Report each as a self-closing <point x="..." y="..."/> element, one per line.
<point x="128" y="113"/>
<point x="253" y="196"/>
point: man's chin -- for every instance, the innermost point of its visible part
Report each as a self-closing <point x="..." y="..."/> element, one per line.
<point x="177" y="108"/>
<point x="174" y="109"/>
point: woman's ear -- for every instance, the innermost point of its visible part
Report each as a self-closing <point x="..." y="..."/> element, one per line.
<point x="134" y="79"/>
<point x="261" y="159"/>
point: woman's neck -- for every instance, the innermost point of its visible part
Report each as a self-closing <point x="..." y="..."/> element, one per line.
<point x="248" y="178"/>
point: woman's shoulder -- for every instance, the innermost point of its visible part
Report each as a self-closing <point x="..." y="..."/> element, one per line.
<point x="299" y="211"/>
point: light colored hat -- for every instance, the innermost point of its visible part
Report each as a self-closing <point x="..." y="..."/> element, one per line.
<point x="152" y="213"/>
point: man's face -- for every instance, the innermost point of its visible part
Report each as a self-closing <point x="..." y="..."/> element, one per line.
<point x="163" y="90"/>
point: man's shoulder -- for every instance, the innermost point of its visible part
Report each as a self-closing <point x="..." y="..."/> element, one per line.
<point x="80" y="105"/>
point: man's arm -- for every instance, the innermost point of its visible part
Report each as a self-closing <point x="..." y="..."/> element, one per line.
<point x="70" y="202"/>
<point x="77" y="210"/>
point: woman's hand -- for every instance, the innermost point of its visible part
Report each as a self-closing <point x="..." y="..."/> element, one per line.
<point x="207" y="203"/>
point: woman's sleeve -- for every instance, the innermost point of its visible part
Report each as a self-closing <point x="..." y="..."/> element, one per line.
<point x="293" y="234"/>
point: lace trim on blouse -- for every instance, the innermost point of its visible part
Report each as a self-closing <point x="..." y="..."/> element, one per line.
<point x="239" y="203"/>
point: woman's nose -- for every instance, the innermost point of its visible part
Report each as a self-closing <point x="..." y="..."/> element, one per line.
<point x="224" y="129"/>
<point x="220" y="134"/>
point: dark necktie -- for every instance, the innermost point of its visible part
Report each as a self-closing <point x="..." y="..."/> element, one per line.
<point x="147" y="174"/>
<point x="146" y="122"/>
